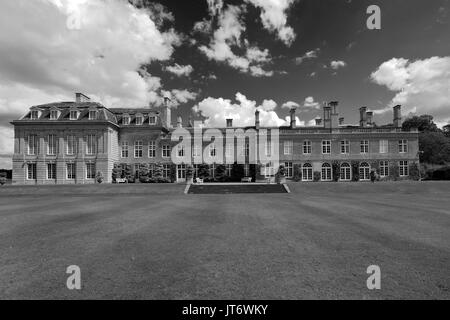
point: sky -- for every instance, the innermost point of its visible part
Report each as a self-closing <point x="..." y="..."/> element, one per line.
<point x="219" y="59"/>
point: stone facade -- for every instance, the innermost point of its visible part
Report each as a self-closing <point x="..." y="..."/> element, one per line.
<point x="71" y="142"/>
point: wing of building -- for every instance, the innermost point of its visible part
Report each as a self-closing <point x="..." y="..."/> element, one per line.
<point x="75" y="142"/>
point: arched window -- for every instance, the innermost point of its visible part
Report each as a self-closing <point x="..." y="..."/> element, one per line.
<point x="307" y="172"/>
<point x="346" y="172"/>
<point x="326" y="172"/>
<point x="364" y="171"/>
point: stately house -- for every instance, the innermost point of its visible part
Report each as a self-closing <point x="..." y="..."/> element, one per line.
<point x="70" y="142"/>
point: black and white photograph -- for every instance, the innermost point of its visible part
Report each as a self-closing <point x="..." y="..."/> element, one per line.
<point x="225" y="155"/>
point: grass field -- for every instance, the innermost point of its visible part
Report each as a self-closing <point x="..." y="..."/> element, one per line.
<point x="155" y="242"/>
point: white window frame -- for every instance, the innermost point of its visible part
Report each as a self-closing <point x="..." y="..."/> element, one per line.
<point x="212" y="150"/>
<point x="34" y="115"/>
<point x="51" y="171"/>
<point x="197" y="151"/>
<point x="307" y="172"/>
<point x="90" y="170"/>
<point x="345" y="172"/>
<point x="92" y="115"/>
<point x="70" y="152"/>
<point x="32" y="146"/>
<point x="91" y="144"/>
<point x="326" y="172"/>
<point x="54" y="115"/>
<point x="364" y="146"/>
<point x="166" y="151"/>
<point x="384" y="168"/>
<point x="363" y="177"/>
<point x="72" y="173"/>
<point x="403" y="146"/>
<point x="125" y="150"/>
<point x="141" y="120"/>
<point x="326" y="146"/>
<point x="152" y="120"/>
<point x="126" y="120"/>
<point x="32" y="174"/>
<point x="345" y="147"/>
<point x="52" y="145"/>
<point x="138" y="149"/>
<point x="384" y="146"/>
<point x="289" y="166"/>
<point x="71" y="115"/>
<point x="152" y="149"/>
<point x="288" y="147"/>
<point x="403" y="166"/>
<point x="307" y="147"/>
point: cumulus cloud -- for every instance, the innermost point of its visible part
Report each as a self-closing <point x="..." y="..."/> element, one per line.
<point x="338" y="64"/>
<point x="227" y="37"/>
<point x="217" y="110"/>
<point x="180" y="70"/>
<point x="290" y="105"/>
<point x="421" y="86"/>
<point x="310" y="103"/>
<point x="308" y="55"/>
<point x="178" y="97"/>
<point x="51" y="48"/>
<point x="274" y="18"/>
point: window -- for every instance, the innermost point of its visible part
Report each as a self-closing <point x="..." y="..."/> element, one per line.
<point x="212" y="150"/>
<point x="51" y="145"/>
<point x="403" y="146"/>
<point x="32" y="145"/>
<point x="138" y="149"/>
<point x="54" y="115"/>
<point x="212" y="170"/>
<point x="197" y="151"/>
<point x="307" y="172"/>
<point x="71" y="145"/>
<point x="345" y="147"/>
<point x="195" y="170"/>
<point x="90" y="144"/>
<point x="268" y="148"/>
<point x="71" y="171"/>
<point x="364" y="171"/>
<point x="269" y="170"/>
<point x="326" y="147"/>
<point x="384" y="146"/>
<point x="152" y="149"/>
<point x="180" y="151"/>
<point x="246" y="170"/>
<point x="73" y="115"/>
<point x="346" y="174"/>
<point x="90" y="170"/>
<point x="364" y="146"/>
<point x="229" y="168"/>
<point x="166" y="151"/>
<point x="404" y="170"/>
<point x="288" y="147"/>
<point x="289" y="169"/>
<point x="31" y="171"/>
<point x="166" y="171"/>
<point x="307" y="147"/>
<point x="384" y="168"/>
<point x="152" y="120"/>
<point x="92" y="115"/>
<point x="126" y="120"/>
<point x="124" y="149"/>
<point x="51" y="171"/>
<point x="34" y="115"/>
<point x="139" y="120"/>
<point x="326" y="172"/>
<point x="247" y="149"/>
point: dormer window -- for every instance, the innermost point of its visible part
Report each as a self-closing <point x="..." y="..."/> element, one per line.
<point x="152" y="120"/>
<point x="139" y="120"/>
<point x="92" y="114"/>
<point x="34" y="115"/>
<point x="73" y="115"/>
<point x="126" y="120"/>
<point x="54" y="114"/>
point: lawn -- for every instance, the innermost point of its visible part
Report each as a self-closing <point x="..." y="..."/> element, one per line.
<point x="155" y="242"/>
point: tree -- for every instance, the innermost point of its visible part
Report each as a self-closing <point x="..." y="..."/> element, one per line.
<point x="446" y="130"/>
<point x="221" y="173"/>
<point x="423" y="123"/>
<point x="435" y="147"/>
<point x="203" y="171"/>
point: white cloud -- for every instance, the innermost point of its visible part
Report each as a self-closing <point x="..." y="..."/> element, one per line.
<point x="178" y="97"/>
<point x="310" y="103"/>
<point x="215" y="7"/>
<point x="217" y="110"/>
<point x="274" y="18"/>
<point x="180" y="70"/>
<point x="421" y="86"/>
<point x="227" y="37"/>
<point x="43" y="60"/>
<point x="338" y="64"/>
<point x="308" y="55"/>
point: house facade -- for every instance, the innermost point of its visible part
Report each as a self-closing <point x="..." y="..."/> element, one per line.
<point x="73" y="142"/>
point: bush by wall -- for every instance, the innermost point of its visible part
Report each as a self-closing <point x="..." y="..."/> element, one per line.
<point x="297" y="173"/>
<point x="317" y="176"/>
<point x="355" y="171"/>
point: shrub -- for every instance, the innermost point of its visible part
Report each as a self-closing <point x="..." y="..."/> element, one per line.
<point x="317" y="176"/>
<point x="221" y="173"/>
<point x="117" y="172"/>
<point x="336" y="171"/>
<point x="189" y="171"/>
<point x="355" y="171"/>
<point x="394" y="172"/>
<point x="2" y="181"/>
<point x="414" y="172"/>
<point x="173" y="173"/>
<point x="203" y="171"/>
<point x="99" y="177"/>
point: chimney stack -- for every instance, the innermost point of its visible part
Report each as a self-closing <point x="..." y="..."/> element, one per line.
<point x="398" y="116"/>
<point x="167" y="113"/>
<point x="369" y="116"/>
<point x="334" y="114"/>
<point x="257" y="120"/>
<point x="341" y="121"/>
<point x="80" y="98"/>
<point x="363" y="116"/>
<point x="327" y="116"/>
<point x="293" y="119"/>
<point x="229" y="123"/>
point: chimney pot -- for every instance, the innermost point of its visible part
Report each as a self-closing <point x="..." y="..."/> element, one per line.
<point x="341" y="121"/>
<point x="398" y="116"/>
<point x="80" y="98"/>
<point x="363" y="116"/>
<point x="229" y="123"/>
<point x="293" y="119"/>
<point x="257" y="120"/>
